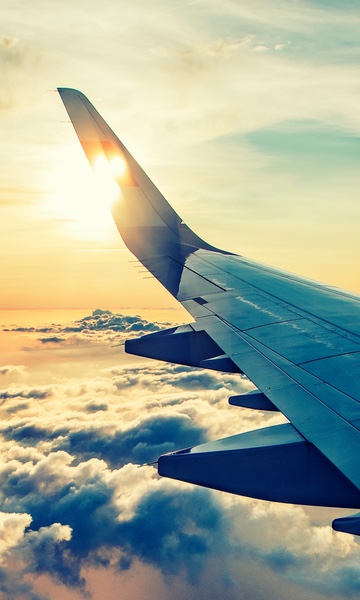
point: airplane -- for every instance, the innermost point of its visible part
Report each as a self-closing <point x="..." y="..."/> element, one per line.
<point x="296" y="340"/>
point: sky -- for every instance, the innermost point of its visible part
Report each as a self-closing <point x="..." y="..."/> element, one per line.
<point x="245" y="114"/>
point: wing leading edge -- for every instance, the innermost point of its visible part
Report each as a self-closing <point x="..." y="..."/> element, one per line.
<point x="298" y="341"/>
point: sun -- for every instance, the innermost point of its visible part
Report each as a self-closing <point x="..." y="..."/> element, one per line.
<point x="80" y="197"/>
<point x="105" y="174"/>
<point x="117" y="166"/>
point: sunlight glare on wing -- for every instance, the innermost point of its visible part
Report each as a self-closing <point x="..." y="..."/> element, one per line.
<point x="117" y="166"/>
<point x="105" y="177"/>
<point x="80" y="197"/>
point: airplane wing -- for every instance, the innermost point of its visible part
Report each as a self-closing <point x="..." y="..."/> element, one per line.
<point x="297" y="340"/>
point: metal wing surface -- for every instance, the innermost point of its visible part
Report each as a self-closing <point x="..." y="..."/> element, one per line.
<point x="297" y="340"/>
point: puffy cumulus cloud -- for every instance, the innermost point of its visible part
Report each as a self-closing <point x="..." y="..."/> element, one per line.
<point x="44" y="551"/>
<point x="30" y="549"/>
<point x="287" y="541"/>
<point x="78" y="511"/>
<point x="142" y="442"/>
<point x="293" y="537"/>
<point x="102" y="326"/>
<point x="157" y="375"/>
<point x="105" y="319"/>
<point x="12" y="527"/>
<point x="88" y="514"/>
<point x="193" y="527"/>
<point x="141" y="432"/>
<point x="135" y="413"/>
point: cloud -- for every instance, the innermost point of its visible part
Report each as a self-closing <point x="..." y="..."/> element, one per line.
<point x="92" y="407"/>
<point x="52" y="340"/>
<point x="198" y="532"/>
<point x="12" y="528"/>
<point x="20" y="329"/>
<point x="84" y="514"/>
<point x="102" y="327"/>
<point x="13" y="587"/>
<point x="144" y="442"/>
<point x="11" y="57"/>
<point x="98" y="512"/>
<point x="44" y="551"/>
<point x="19" y="392"/>
<point x="101" y="320"/>
<point x="18" y="61"/>
<point x="77" y="500"/>
<point x="79" y="478"/>
<point x="13" y="370"/>
<point x="260" y="48"/>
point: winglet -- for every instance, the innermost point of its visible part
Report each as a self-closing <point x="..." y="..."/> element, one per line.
<point x="147" y="223"/>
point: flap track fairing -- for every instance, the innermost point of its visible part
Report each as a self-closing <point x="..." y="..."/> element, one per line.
<point x="275" y="463"/>
<point x="182" y="345"/>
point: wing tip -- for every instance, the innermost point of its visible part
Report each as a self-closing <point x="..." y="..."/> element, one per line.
<point x="61" y="89"/>
<point x="67" y="92"/>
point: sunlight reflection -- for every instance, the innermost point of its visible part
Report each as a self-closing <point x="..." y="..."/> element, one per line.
<point x="81" y="201"/>
<point x="117" y="166"/>
<point x="105" y="172"/>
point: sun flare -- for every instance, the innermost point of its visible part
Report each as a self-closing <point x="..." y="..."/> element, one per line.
<point x="81" y="197"/>
<point x="117" y="166"/>
<point x="105" y="173"/>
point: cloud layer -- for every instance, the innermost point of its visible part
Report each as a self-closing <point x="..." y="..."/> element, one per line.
<point x="75" y="499"/>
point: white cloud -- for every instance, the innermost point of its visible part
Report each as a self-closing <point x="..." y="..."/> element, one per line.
<point x="54" y="533"/>
<point x="12" y="528"/>
<point x="13" y="370"/>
